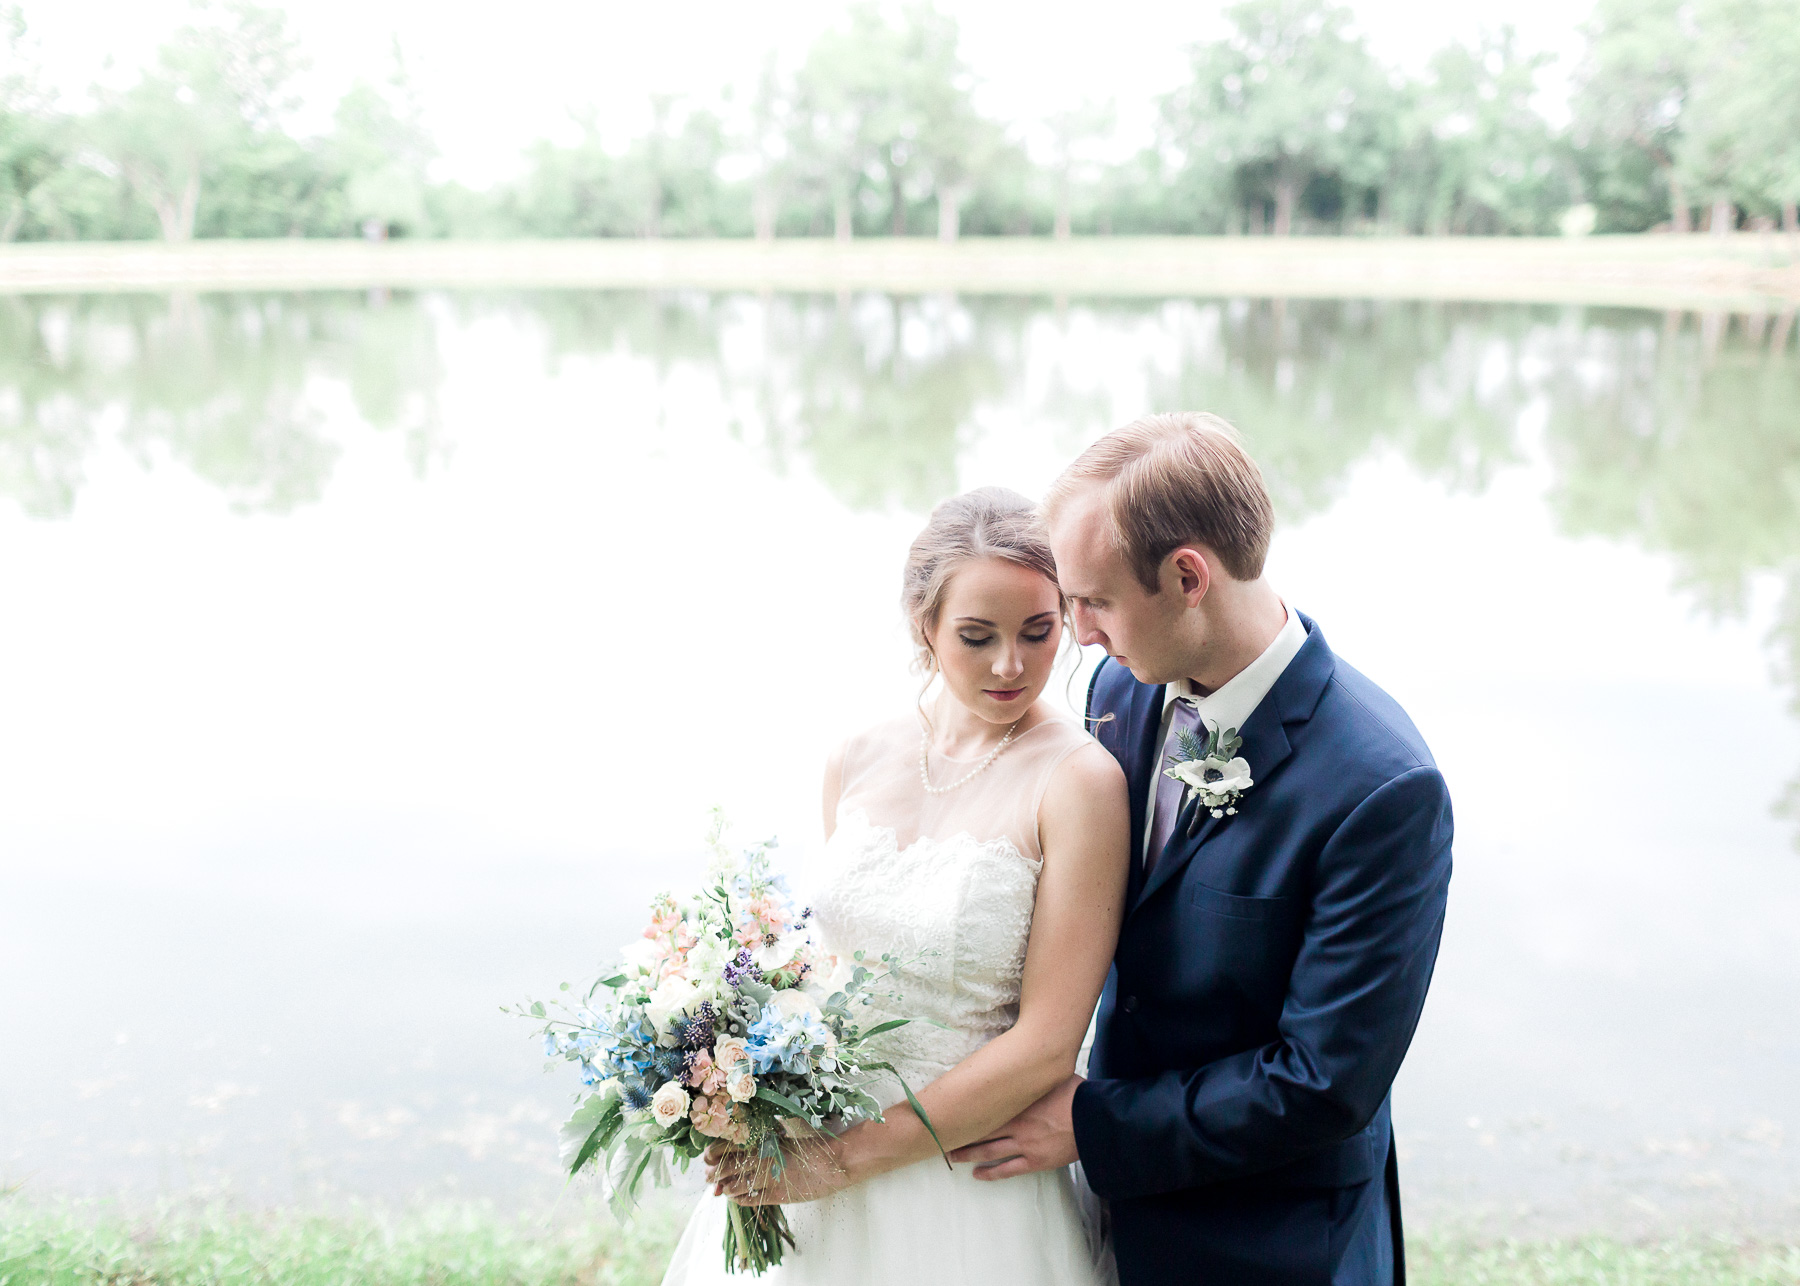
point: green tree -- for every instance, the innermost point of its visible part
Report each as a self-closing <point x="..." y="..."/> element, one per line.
<point x="884" y="109"/>
<point x="1077" y="139"/>
<point x="1630" y="92"/>
<point x="1742" y="142"/>
<point x="33" y="137"/>
<point x="381" y="148"/>
<point x="1490" y="164"/>
<point x="1289" y="98"/>
<point x="218" y="90"/>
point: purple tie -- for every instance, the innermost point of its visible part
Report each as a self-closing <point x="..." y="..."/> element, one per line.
<point x="1169" y="793"/>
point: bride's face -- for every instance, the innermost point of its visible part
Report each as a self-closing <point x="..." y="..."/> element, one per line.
<point x="996" y="637"/>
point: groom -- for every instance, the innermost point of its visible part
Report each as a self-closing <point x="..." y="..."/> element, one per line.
<point x="1279" y="938"/>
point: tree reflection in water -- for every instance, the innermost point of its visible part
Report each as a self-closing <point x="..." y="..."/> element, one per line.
<point x="223" y="384"/>
<point x="1680" y="435"/>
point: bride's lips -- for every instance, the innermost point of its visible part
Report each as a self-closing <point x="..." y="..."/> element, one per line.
<point x="1004" y="694"/>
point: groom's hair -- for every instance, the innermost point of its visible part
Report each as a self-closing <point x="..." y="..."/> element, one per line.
<point x="1175" y="479"/>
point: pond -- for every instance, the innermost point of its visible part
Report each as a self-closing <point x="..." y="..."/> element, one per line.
<point x="369" y="660"/>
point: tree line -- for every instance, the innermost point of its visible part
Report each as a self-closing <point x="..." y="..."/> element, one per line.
<point x="1685" y="114"/>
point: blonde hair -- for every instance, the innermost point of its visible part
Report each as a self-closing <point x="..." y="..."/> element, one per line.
<point x="1182" y="477"/>
<point x="989" y="522"/>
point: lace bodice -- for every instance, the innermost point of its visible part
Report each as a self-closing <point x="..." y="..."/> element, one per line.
<point x="945" y="882"/>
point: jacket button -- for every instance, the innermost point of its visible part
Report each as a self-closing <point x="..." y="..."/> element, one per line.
<point x="1131" y="1004"/>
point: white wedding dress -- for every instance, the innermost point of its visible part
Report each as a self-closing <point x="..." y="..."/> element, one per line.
<point x="947" y="883"/>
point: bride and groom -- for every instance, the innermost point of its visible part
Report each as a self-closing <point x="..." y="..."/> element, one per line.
<point x="1246" y="863"/>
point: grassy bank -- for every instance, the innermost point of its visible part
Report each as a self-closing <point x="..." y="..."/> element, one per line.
<point x="1741" y="272"/>
<point x="96" y="1246"/>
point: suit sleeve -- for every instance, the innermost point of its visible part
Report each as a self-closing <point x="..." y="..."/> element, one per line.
<point x="1353" y="1000"/>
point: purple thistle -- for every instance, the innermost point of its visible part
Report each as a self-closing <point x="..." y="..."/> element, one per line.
<point x="697" y="1032"/>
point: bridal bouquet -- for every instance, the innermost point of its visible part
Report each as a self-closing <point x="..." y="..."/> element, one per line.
<point x="724" y="1022"/>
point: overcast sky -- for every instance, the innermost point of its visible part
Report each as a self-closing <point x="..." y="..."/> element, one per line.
<point x="493" y="82"/>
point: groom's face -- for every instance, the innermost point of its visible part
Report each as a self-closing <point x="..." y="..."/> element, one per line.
<point x="1108" y="604"/>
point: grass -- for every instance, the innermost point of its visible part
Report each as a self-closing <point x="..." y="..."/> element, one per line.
<point x="99" y="1245"/>
<point x="1745" y="271"/>
<point x="75" y="1245"/>
<point x="1600" y="1262"/>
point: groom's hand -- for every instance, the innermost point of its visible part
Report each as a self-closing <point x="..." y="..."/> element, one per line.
<point x="1042" y="1137"/>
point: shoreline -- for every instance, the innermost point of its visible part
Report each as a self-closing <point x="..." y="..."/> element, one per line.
<point x="1743" y="272"/>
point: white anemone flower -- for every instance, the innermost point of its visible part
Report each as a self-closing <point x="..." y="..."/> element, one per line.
<point x="1214" y="778"/>
<point x="780" y="953"/>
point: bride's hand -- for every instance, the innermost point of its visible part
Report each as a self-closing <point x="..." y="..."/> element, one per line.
<point x="811" y="1169"/>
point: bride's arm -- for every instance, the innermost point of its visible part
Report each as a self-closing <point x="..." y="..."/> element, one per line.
<point x="1084" y="825"/>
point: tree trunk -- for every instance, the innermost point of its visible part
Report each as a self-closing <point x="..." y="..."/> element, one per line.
<point x="1680" y="218"/>
<point x="1287" y="196"/>
<point x="950" y="213"/>
<point x="897" y="218"/>
<point x="10" y="228"/>
<point x="840" y="214"/>
<point x="762" y="212"/>
<point x="1790" y="217"/>
<point x="1061" y="229"/>
<point x="1723" y="218"/>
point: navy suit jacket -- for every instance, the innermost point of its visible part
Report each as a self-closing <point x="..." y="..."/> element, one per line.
<point x="1269" y="975"/>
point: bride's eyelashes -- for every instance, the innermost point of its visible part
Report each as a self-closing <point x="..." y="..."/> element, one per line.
<point x="983" y="642"/>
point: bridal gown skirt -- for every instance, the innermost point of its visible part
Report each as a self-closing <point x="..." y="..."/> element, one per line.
<point x="917" y="1225"/>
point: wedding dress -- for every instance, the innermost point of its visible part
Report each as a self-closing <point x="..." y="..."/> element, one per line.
<point x="946" y="882"/>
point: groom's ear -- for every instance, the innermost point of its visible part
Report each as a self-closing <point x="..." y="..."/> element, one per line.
<point x="1191" y="576"/>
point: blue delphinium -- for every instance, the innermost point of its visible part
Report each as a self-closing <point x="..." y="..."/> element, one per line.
<point x="783" y="1040"/>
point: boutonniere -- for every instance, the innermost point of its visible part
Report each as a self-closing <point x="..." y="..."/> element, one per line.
<point x="1211" y="772"/>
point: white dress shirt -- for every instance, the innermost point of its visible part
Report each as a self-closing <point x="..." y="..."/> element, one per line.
<point x="1232" y="703"/>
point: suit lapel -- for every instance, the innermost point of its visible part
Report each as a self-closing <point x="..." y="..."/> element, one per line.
<point x="1265" y="747"/>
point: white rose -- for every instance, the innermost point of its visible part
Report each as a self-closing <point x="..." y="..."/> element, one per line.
<point x="794" y="1003"/>
<point x="673" y="998"/>
<point x="741" y="1085"/>
<point x="669" y="1104"/>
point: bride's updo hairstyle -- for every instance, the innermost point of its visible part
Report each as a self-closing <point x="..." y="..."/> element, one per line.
<point x="989" y="522"/>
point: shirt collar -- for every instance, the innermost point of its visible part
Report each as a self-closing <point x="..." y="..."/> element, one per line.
<point x="1236" y="700"/>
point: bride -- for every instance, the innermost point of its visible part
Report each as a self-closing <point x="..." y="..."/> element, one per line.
<point x="984" y="844"/>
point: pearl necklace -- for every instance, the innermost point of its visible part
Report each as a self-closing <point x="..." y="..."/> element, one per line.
<point x="925" y="762"/>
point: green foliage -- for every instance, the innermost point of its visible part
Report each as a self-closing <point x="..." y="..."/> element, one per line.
<point x="1288" y="100"/>
<point x="1286" y="123"/>
<point x="1631" y="88"/>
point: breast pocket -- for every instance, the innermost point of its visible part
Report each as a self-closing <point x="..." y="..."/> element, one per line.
<point x="1235" y="906"/>
<point x="1247" y="947"/>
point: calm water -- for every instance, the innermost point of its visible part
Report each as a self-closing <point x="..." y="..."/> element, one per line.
<point x="367" y="661"/>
